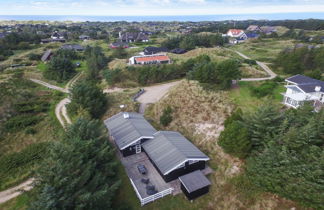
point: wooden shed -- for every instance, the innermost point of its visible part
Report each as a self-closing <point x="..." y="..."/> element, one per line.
<point x="194" y="184"/>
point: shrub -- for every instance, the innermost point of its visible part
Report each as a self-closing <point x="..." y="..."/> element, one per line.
<point x="34" y="57"/>
<point x="19" y="162"/>
<point x="250" y="62"/>
<point x="21" y="121"/>
<point x="166" y="117"/>
<point x="264" y="89"/>
<point x="235" y="140"/>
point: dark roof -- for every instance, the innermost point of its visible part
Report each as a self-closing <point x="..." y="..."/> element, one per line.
<point x="170" y="149"/>
<point x="72" y="47"/>
<point x="84" y="37"/>
<point x="136" y="36"/>
<point x="194" y="181"/>
<point x="126" y="131"/>
<point x="46" y="55"/>
<point x="301" y="79"/>
<point x="306" y="84"/>
<point x="178" y="51"/>
<point x="154" y="50"/>
<point x="252" y="35"/>
<point x="119" y="44"/>
<point x="3" y="35"/>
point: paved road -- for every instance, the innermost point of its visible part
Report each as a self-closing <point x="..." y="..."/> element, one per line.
<point x="15" y="191"/>
<point x="153" y="94"/>
<point x="264" y="66"/>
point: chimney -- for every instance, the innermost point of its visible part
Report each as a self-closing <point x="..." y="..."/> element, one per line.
<point x="318" y="88"/>
<point x="126" y="115"/>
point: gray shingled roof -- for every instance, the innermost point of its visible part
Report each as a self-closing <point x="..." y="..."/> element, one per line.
<point x="307" y="84"/>
<point x="126" y="130"/>
<point x="46" y="55"/>
<point x="170" y="149"/>
<point x="72" y="47"/>
<point x="194" y="181"/>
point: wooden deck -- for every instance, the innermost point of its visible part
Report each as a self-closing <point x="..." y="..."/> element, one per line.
<point x="155" y="178"/>
<point x="130" y="163"/>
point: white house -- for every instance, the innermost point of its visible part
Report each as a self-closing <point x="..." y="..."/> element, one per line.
<point x="236" y="33"/>
<point x="150" y="59"/>
<point x="301" y="89"/>
<point x="236" y="36"/>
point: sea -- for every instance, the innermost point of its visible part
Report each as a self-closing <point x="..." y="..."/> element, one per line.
<point x="192" y="18"/>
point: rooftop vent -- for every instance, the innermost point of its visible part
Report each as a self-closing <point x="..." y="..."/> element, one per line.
<point x="318" y="88"/>
<point x="126" y="115"/>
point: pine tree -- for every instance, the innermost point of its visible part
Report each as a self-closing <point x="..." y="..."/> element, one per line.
<point x="235" y="140"/>
<point x="87" y="95"/>
<point x="79" y="172"/>
<point x="263" y="125"/>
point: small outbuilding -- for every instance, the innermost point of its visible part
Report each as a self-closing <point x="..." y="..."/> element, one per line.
<point x="47" y="55"/>
<point x="194" y="184"/>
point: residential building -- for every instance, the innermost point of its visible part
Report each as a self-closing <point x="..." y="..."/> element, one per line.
<point x="173" y="155"/>
<point x="194" y="184"/>
<point x="130" y="37"/>
<point x="251" y="35"/>
<point x="254" y="28"/>
<point x="236" y="33"/>
<point x="150" y="59"/>
<point x="268" y="29"/>
<point x="84" y="37"/>
<point x="159" y="158"/>
<point x="155" y="50"/>
<point x="301" y="90"/>
<point x="117" y="45"/>
<point x="129" y="130"/>
<point x="74" y="47"/>
<point x="47" y="55"/>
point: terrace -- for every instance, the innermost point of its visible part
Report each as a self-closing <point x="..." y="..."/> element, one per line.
<point x="131" y="162"/>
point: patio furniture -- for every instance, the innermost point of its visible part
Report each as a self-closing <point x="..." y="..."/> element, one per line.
<point x="142" y="169"/>
<point x="145" y="180"/>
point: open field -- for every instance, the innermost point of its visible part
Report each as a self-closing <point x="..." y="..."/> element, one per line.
<point x="216" y="54"/>
<point x="263" y="50"/>
<point x="243" y="98"/>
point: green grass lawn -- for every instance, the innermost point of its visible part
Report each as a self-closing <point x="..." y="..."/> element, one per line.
<point x="243" y="98"/>
<point x="19" y="203"/>
<point x="263" y="50"/>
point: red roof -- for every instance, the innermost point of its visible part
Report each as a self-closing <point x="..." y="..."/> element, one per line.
<point x="153" y="58"/>
<point x="235" y="31"/>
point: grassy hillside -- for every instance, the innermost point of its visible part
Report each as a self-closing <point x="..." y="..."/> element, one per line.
<point x="263" y="50"/>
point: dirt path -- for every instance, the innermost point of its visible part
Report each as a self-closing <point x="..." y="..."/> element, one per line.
<point x="15" y="191"/>
<point x="50" y="86"/>
<point x="264" y="66"/>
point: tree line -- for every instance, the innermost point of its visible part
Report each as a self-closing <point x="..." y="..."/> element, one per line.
<point x="284" y="151"/>
<point x="80" y="171"/>
<point x="307" y="60"/>
<point x="200" y="68"/>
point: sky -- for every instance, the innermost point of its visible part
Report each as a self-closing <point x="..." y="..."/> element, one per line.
<point x="156" y="7"/>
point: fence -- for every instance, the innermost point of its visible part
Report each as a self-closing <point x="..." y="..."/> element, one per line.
<point x="152" y="197"/>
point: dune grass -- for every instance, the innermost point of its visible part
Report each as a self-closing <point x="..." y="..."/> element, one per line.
<point x="263" y="50"/>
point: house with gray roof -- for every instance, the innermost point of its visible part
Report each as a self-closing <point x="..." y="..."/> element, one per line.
<point x="301" y="90"/>
<point x="129" y="130"/>
<point x="75" y="47"/>
<point x="47" y="55"/>
<point x="173" y="155"/>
